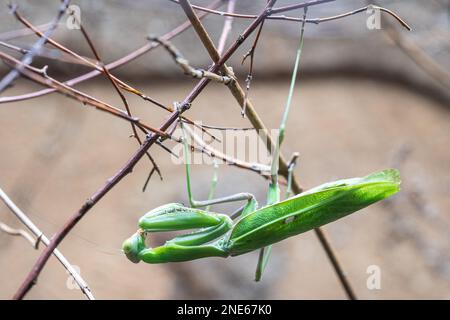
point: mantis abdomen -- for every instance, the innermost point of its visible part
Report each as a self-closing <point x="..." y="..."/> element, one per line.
<point x="310" y="210"/>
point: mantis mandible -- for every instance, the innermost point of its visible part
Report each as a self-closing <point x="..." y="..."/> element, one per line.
<point x="218" y="235"/>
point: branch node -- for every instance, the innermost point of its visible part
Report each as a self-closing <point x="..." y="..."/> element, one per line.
<point x="13" y="8"/>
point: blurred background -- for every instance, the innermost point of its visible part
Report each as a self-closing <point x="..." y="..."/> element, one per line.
<point x="365" y="100"/>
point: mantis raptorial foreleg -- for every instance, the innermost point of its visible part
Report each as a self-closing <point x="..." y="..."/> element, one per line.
<point x="174" y="217"/>
<point x="273" y="195"/>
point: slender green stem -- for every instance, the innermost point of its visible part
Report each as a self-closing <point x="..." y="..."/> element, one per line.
<point x="198" y="204"/>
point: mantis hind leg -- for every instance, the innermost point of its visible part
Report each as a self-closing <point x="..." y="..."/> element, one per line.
<point x="273" y="188"/>
<point x="273" y="196"/>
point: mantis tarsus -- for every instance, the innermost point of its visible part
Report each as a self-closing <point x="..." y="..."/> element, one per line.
<point x="217" y="235"/>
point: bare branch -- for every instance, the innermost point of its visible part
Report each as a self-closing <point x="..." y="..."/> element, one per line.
<point x="227" y="26"/>
<point x="184" y="64"/>
<point x="28" y="58"/>
<point x="19" y="232"/>
<point x="113" y="65"/>
<point x="41" y="237"/>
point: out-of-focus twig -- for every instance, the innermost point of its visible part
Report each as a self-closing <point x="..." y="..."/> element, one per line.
<point x="41" y="76"/>
<point x="42" y="238"/>
<point x="19" y="232"/>
<point x="184" y="64"/>
<point x="96" y="64"/>
<point x="28" y="58"/>
<point x="417" y="54"/>
<point x="253" y="16"/>
<point x="249" y="78"/>
<point x="113" y="65"/>
<point x="9" y="35"/>
<point x="253" y="166"/>
<point x="227" y="26"/>
<point x="115" y="84"/>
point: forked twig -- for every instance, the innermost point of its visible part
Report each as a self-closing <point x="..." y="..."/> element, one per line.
<point x="28" y="58"/>
<point x="115" y="84"/>
<point x="227" y="26"/>
<point x="42" y="238"/>
<point x="184" y="64"/>
<point x="272" y="16"/>
<point x="249" y="78"/>
<point x="113" y="65"/>
<point x="20" y="232"/>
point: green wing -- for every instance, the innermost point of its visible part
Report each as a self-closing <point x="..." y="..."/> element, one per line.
<point x="314" y="208"/>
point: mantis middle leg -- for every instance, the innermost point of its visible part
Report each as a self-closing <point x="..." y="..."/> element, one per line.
<point x="250" y="206"/>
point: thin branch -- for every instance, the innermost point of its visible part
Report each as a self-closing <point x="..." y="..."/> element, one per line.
<point x="96" y="64"/>
<point x="248" y="16"/>
<point x="249" y="78"/>
<point x="213" y="153"/>
<point x="41" y="76"/>
<point x="113" y="65"/>
<point x="222" y="128"/>
<point x="114" y="82"/>
<point x="418" y="55"/>
<point x="298" y="6"/>
<point x="41" y="237"/>
<point x="53" y="54"/>
<point x="184" y="64"/>
<point x="227" y="26"/>
<point x="295" y="19"/>
<point x="10" y="35"/>
<point x="364" y="9"/>
<point x="28" y="58"/>
<point x="19" y="232"/>
<point x="291" y="167"/>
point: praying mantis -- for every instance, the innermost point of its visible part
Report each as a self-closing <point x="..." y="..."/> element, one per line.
<point x="219" y="235"/>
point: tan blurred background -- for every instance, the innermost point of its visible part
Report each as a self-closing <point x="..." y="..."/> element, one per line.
<point x="361" y="104"/>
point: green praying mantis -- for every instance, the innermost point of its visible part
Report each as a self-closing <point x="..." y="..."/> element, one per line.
<point x="219" y="235"/>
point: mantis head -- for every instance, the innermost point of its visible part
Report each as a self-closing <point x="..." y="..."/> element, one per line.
<point x="134" y="245"/>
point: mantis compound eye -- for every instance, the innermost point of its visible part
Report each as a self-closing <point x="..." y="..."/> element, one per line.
<point x="133" y="246"/>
